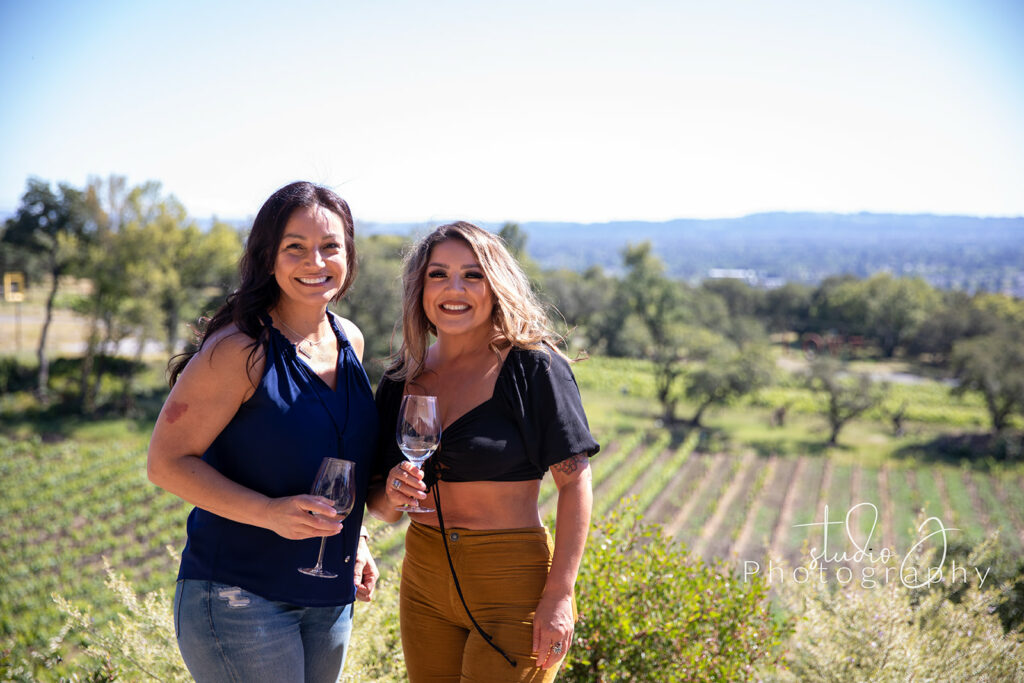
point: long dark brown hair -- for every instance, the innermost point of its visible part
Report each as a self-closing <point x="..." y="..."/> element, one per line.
<point x="258" y="291"/>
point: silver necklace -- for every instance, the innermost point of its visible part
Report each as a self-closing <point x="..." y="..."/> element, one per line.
<point x="298" y="347"/>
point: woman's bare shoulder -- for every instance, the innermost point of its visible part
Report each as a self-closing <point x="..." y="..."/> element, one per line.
<point x="354" y="334"/>
<point x="227" y="356"/>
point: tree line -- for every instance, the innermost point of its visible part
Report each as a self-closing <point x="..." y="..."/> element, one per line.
<point x="153" y="273"/>
<point x="150" y="270"/>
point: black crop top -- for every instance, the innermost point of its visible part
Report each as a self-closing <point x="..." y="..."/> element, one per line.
<point x="533" y="420"/>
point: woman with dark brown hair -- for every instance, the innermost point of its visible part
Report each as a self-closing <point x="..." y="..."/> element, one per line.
<point x="275" y="385"/>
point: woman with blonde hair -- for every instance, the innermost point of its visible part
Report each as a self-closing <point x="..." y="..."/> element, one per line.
<point x="486" y="595"/>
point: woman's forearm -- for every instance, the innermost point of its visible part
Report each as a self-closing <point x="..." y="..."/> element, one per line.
<point x="196" y="482"/>
<point x="377" y="504"/>
<point x="572" y="523"/>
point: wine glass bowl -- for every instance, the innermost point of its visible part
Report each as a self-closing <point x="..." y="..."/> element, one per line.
<point x="335" y="481"/>
<point x="418" y="433"/>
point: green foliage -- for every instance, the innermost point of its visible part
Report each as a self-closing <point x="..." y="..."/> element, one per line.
<point x="926" y="402"/>
<point x="847" y="397"/>
<point x="993" y="364"/>
<point x="67" y="506"/>
<point x="889" y="632"/>
<point x="583" y="304"/>
<point x="625" y="376"/>
<point x="138" y="645"/>
<point x="651" y="612"/>
<point x="46" y="235"/>
<point x="374" y="303"/>
<point x="375" y="653"/>
<point x="726" y="375"/>
<point x="14" y="375"/>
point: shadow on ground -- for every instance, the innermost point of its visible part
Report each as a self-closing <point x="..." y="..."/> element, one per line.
<point x="977" y="448"/>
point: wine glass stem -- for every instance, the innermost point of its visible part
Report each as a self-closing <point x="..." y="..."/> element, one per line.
<point x="320" y="557"/>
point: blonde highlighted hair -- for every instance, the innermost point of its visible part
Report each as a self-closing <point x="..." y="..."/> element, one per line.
<point x="518" y="316"/>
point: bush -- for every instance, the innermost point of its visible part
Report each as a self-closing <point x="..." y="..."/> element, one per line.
<point x="139" y="644"/>
<point x="649" y="611"/>
<point x="15" y="376"/>
<point x="943" y="632"/>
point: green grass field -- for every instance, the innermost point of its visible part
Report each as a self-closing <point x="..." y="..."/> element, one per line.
<point x="75" y="492"/>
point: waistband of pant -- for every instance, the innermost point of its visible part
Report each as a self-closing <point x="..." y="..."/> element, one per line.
<point x="529" y="533"/>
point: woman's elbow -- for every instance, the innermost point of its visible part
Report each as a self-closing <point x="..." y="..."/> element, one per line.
<point x="156" y="469"/>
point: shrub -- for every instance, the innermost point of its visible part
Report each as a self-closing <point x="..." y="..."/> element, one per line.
<point x="139" y="643"/>
<point x="943" y="632"/>
<point x="649" y="611"/>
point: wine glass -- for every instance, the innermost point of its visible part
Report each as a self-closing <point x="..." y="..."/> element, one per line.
<point x="418" y="433"/>
<point x="335" y="481"/>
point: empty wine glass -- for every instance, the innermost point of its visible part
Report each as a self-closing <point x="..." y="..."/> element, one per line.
<point x="418" y="433"/>
<point x="335" y="481"/>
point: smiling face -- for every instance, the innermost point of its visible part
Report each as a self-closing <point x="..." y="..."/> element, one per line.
<point x="310" y="267"/>
<point x="457" y="298"/>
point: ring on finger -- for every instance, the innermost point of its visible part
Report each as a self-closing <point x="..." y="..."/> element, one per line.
<point x="396" y="483"/>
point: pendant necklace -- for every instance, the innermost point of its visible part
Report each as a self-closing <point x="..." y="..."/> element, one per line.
<point x="298" y="347"/>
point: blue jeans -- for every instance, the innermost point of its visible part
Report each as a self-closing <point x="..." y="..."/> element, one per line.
<point x="228" y="634"/>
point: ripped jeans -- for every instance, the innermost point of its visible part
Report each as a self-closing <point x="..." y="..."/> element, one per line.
<point x="228" y="634"/>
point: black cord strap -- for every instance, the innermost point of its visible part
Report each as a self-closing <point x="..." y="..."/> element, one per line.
<point x="458" y="588"/>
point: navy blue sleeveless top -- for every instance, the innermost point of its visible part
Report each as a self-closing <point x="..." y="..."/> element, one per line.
<point x="274" y="445"/>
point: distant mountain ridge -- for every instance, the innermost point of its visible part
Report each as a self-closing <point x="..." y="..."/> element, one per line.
<point x="958" y="252"/>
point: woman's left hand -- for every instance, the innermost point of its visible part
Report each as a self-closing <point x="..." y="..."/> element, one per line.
<point x="366" y="573"/>
<point x="553" y="627"/>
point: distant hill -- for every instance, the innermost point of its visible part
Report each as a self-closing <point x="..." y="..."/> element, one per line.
<point x="958" y="252"/>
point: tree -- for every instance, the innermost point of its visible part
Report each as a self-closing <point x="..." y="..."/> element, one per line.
<point x="727" y="374"/>
<point x="848" y="394"/>
<point x="740" y="298"/>
<point x="896" y="309"/>
<point x="515" y="239"/>
<point x="151" y="267"/>
<point x="195" y="267"/>
<point x="993" y="364"/>
<point x="837" y="305"/>
<point x="48" y="226"/>
<point x="583" y="303"/>
<point x="786" y="308"/>
<point x="885" y="309"/>
<point x="659" y="304"/>
<point x="958" y="317"/>
<point x="374" y="303"/>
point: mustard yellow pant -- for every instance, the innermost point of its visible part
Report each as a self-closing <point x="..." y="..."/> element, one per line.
<point x="502" y="574"/>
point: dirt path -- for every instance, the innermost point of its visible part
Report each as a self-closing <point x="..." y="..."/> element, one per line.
<point x="682" y="486"/>
<point x="856" y="496"/>
<point x="1016" y="516"/>
<point x="606" y="481"/>
<point x="651" y="474"/>
<point x="715" y="541"/>
<point x="947" y="508"/>
<point x="745" y="539"/>
<point x="983" y="519"/>
<point x="785" y="522"/>
<point x="718" y="462"/>
<point x="885" y="508"/>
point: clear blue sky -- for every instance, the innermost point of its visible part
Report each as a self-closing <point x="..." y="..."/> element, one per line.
<point x="581" y="111"/>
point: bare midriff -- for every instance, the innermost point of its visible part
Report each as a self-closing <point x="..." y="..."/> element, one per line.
<point x="482" y="505"/>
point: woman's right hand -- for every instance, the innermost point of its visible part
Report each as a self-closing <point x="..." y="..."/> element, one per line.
<point x="299" y="517"/>
<point x="410" y="489"/>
